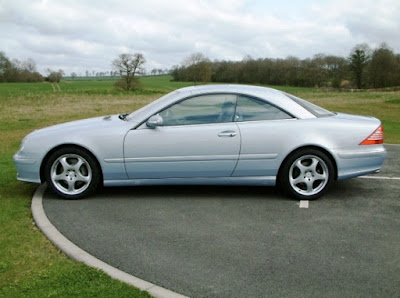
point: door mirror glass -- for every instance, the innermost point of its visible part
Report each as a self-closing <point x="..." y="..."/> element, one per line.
<point x="154" y="121"/>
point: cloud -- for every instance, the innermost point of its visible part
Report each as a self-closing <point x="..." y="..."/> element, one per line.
<point x="366" y="21"/>
<point x="88" y="35"/>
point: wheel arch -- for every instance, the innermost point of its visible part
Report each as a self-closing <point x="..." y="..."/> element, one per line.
<point x="314" y="147"/>
<point x="47" y="156"/>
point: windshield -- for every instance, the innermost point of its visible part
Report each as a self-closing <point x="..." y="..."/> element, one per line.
<point x="317" y="111"/>
<point x="132" y="115"/>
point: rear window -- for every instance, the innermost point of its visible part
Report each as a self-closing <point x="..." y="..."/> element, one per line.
<point x="251" y="109"/>
<point x="317" y="111"/>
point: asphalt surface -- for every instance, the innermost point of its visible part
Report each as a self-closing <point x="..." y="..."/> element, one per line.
<point x="246" y="241"/>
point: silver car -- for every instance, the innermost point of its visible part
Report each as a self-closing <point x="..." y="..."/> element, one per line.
<point x="214" y="135"/>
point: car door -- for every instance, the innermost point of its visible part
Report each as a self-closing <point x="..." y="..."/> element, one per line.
<point x="198" y="138"/>
<point x="264" y="130"/>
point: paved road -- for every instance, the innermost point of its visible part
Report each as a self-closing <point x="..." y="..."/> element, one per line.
<point x="246" y="241"/>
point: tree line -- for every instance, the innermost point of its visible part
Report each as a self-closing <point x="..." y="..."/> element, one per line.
<point x="14" y="71"/>
<point x="126" y="66"/>
<point x="18" y="71"/>
<point x="363" y="68"/>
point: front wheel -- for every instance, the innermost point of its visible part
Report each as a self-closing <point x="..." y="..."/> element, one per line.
<point x="306" y="174"/>
<point x="72" y="173"/>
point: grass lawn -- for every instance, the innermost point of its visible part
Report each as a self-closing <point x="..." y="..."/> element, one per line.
<point x="29" y="264"/>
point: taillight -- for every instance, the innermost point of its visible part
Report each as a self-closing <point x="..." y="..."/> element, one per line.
<point x="375" y="138"/>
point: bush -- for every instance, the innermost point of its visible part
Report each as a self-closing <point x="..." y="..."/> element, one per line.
<point x="123" y="84"/>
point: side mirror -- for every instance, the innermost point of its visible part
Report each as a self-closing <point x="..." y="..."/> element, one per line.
<point x="154" y="121"/>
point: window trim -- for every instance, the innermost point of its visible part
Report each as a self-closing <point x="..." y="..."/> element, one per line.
<point x="267" y="102"/>
<point x="193" y="96"/>
<point x="220" y="93"/>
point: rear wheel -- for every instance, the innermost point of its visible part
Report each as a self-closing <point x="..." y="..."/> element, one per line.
<point x="306" y="174"/>
<point x="72" y="173"/>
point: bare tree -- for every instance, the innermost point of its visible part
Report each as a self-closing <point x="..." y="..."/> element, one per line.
<point x="194" y="59"/>
<point x="128" y="65"/>
<point x="29" y="65"/>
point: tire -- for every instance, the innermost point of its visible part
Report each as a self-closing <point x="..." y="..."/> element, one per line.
<point x="72" y="173"/>
<point x="306" y="174"/>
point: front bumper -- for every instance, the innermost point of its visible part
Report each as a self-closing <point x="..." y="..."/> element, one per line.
<point x="28" y="170"/>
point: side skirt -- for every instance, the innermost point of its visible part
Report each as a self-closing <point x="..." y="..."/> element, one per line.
<point x="259" y="180"/>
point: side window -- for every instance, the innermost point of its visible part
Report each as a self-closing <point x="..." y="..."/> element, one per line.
<point x="251" y="109"/>
<point x="201" y="110"/>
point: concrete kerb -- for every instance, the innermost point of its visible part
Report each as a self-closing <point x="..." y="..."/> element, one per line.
<point x="78" y="254"/>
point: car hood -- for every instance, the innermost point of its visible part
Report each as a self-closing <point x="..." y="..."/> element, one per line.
<point x="81" y="126"/>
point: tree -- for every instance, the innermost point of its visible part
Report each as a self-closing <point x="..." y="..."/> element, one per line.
<point x="226" y="71"/>
<point x="17" y="71"/>
<point x="250" y="70"/>
<point x="358" y="60"/>
<point x="27" y="71"/>
<point x="196" y="68"/>
<point x="5" y="66"/>
<point x="128" y="65"/>
<point x="361" y="68"/>
<point x="29" y="65"/>
<point x="384" y="68"/>
<point x="336" y="70"/>
<point x="55" y="76"/>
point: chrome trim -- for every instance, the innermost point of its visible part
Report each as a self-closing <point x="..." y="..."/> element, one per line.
<point x="113" y="160"/>
<point x="258" y="156"/>
<point x="37" y="181"/>
<point x="252" y="180"/>
<point x="358" y="154"/>
<point x="24" y="161"/>
<point x="181" y="158"/>
<point x="196" y="158"/>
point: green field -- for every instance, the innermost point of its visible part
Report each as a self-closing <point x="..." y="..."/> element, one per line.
<point x="29" y="264"/>
<point x="156" y="84"/>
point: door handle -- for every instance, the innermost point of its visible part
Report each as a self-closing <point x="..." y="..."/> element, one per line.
<point x="227" y="134"/>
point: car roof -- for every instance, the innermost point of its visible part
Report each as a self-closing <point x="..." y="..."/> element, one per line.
<point x="273" y="96"/>
<point x="234" y="88"/>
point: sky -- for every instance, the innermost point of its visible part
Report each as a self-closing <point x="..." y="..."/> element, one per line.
<point x="80" y="35"/>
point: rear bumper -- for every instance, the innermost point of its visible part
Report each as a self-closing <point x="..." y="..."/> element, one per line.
<point x="366" y="160"/>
